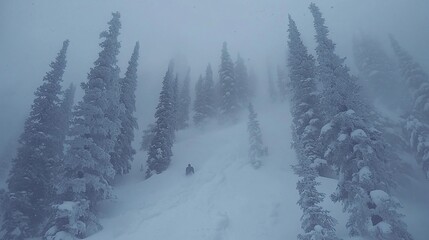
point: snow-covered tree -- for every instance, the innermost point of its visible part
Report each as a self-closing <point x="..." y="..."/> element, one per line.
<point x="229" y="105"/>
<point x="272" y="89"/>
<point x="205" y="98"/>
<point x="353" y="145"/>
<point x="184" y="102"/>
<point x="379" y="73"/>
<point x="31" y="177"/>
<point x="358" y="151"/>
<point x="242" y="82"/>
<point x="159" y="154"/>
<point x="282" y="83"/>
<point x="340" y="88"/>
<point x="71" y="220"/>
<point x="199" y="103"/>
<point x="123" y="153"/>
<point x="417" y="123"/>
<point x="147" y="137"/>
<point x="209" y="93"/>
<point x="3" y="203"/>
<point x="316" y="222"/>
<point x="87" y="170"/>
<point x="175" y="102"/>
<point x="382" y="83"/>
<point x="307" y="118"/>
<point x="67" y="111"/>
<point x="257" y="151"/>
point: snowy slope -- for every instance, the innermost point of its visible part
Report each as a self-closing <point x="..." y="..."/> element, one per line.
<point x="226" y="198"/>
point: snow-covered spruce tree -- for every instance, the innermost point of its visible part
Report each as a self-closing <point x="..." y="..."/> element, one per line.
<point x="199" y="103"/>
<point x="382" y="83"/>
<point x="209" y="93"/>
<point x="175" y="102"/>
<point x="417" y="123"/>
<point x="316" y="222"/>
<point x="67" y="111"/>
<point x="205" y="98"/>
<point x="257" y="151"/>
<point x="184" y="102"/>
<point x="31" y="177"/>
<point x="159" y="154"/>
<point x="123" y="153"/>
<point x="282" y="83"/>
<point x="242" y="82"/>
<point x="340" y="88"/>
<point x="307" y="119"/>
<point x="229" y="105"/>
<point x="354" y="147"/>
<point x="4" y="201"/>
<point x="87" y="171"/>
<point x="272" y="89"/>
<point x="359" y="152"/>
<point x="379" y="73"/>
<point x="147" y="137"/>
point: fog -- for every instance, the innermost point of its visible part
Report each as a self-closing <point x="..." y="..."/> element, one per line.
<point x="189" y="31"/>
<point x="32" y="32"/>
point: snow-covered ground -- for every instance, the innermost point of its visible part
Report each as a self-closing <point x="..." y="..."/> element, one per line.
<point x="226" y="198"/>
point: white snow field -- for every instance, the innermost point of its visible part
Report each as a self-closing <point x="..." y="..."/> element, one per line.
<point x="226" y="199"/>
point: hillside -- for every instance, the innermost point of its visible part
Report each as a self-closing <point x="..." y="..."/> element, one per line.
<point x="225" y="199"/>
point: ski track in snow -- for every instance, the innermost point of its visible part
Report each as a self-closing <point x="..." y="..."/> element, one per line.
<point x="226" y="199"/>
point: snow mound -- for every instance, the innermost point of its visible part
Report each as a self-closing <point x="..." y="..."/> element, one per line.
<point x="358" y="135"/>
<point x="364" y="174"/>
<point x="379" y="196"/>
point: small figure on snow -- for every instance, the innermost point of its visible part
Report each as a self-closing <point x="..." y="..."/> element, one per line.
<point x="189" y="170"/>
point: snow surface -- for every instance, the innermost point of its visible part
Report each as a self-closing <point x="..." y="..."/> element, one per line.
<point x="364" y="174"/>
<point x="379" y="196"/>
<point x="358" y="135"/>
<point x="226" y="198"/>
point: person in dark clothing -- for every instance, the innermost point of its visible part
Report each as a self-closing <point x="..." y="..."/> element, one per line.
<point x="189" y="170"/>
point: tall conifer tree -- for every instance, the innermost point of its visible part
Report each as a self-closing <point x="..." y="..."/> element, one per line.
<point x="209" y="93"/>
<point x="228" y="88"/>
<point x="316" y="222"/>
<point x="355" y="147"/>
<point x="379" y="73"/>
<point x="242" y="82"/>
<point x="184" y="102"/>
<point x="123" y="153"/>
<point x="199" y="103"/>
<point x="417" y="123"/>
<point x="256" y="147"/>
<point x="159" y="154"/>
<point x="87" y="171"/>
<point x="67" y="111"/>
<point x="282" y="83"/>
<point x="31" y="177"/>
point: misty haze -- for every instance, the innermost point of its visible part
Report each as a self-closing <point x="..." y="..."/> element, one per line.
<point x="214" y="120"/>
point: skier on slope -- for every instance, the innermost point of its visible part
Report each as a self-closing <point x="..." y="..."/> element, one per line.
<point x="189" y="170"/>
